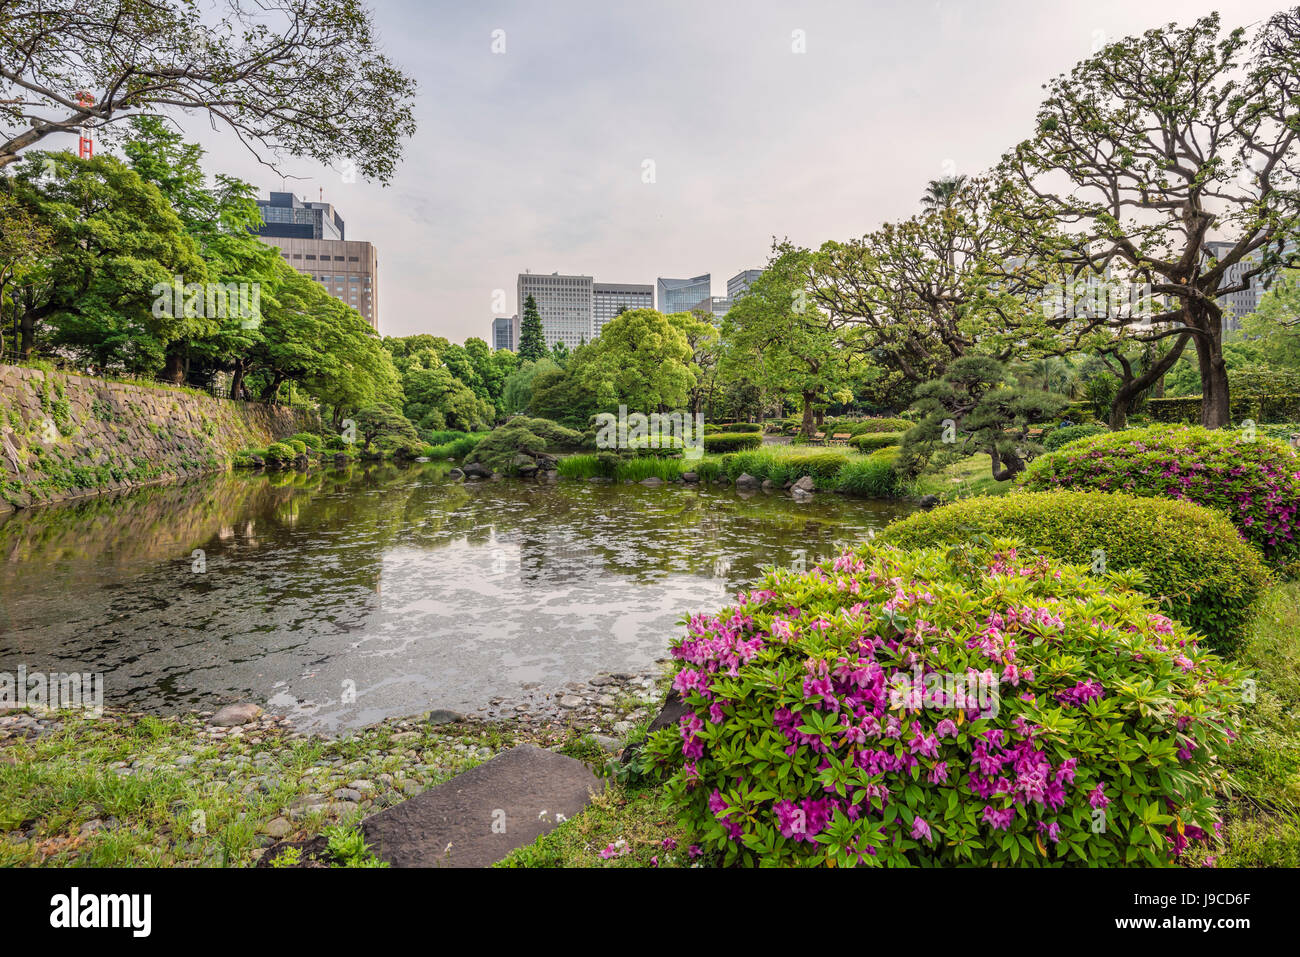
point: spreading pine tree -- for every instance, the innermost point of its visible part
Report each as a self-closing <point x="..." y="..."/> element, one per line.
<point x="532" y="343"/>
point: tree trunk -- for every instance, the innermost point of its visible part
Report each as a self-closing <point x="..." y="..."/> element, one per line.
<point x="1131" y="386"/>
<point x="1005" y="465"/>
<point x="1214" y="380"/>
<point x="272" y="389"/>
<point x="27" y="329"/>
<point x="174" y="368"/>
<point x="237" y="380"/>
<point x="807" y="428"/>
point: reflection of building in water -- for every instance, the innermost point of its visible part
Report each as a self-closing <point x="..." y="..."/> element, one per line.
<point x="551" y="557"/>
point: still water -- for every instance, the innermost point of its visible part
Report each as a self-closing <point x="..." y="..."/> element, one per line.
<point x="415" y="590"/>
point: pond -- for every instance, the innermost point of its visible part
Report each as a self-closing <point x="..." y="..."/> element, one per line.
<point x="344" y="597"/>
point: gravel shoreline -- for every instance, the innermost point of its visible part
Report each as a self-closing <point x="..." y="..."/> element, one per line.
<point x="129" y="788"/>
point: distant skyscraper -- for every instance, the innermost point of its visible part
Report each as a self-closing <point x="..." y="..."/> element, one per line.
<point x="610" y="297"/>
<point x="739" y="284"/>
<point x="505" y="333"/>
<point x="563" y="302"/>
<point x="310" y="237"/>
<point x="1238" y="305"/>
<point x="288" y="217"/>
<point x="682" y="295"/>
<point x="716" y="305"/>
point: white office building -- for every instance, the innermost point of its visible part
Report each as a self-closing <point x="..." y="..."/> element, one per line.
<point x="611" y="298"/>
<point x="563" y="302"/>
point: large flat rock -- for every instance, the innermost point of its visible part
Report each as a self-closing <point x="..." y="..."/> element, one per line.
<point x="479" y="816"/>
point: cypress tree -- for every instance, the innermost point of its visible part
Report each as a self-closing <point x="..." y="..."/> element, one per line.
<point x="532" y="343"/>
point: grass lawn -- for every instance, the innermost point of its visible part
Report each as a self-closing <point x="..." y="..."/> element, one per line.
<point x="964" y="478"/>
<point x="1262" y="824"/>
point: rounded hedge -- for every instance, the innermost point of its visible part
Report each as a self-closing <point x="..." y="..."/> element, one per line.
<point x="732" y="442"/>
<point x="1252" y="479"/>
<point x="945" y="707"/>
<point x="871" y="441"/>
<point x="1071" y="433"/>
<point x="280" y="453"/>
<point x="1193" y="559"/>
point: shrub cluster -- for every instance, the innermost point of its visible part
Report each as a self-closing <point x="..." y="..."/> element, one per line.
<point x="1192" y="557"/>
<point x="945" y="707"/>
<point x="732" y="442"/>
<point x="1071" y="433"/>
<point x="1255" y="482"/>
<point x="870" y="441"/>
<point x="731" y="428"/>
<point x="279" y="454"/>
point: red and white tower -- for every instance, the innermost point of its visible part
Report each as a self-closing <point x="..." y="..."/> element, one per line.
<point x="86" y="146"/>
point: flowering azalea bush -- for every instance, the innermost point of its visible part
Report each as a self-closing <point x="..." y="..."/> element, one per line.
<point x="1252" y="479"/>
<point x="946" y="706"/>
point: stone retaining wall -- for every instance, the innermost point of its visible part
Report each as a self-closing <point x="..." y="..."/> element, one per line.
<point x="68" y="436"/>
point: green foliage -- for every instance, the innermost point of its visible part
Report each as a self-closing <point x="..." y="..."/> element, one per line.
<point x="971" y="409"/>
<point x="381" y="422"/>
<point x="811" y="741"/>
<point x="532" y="341"/>
<point x="346" y="847"/>
<point x="309" y="440"/>
<point x="871" y="425"/>
<point x="784" y="466"/>
<point x="1251" y="479"/>
<point x="1071" y="433"/>
<point x="733" y="442"/>
<point x="873" y="476"/>
<point x="279" y="454"/>
<point x="1193" y="559"/>
<point x="870" y="441"/>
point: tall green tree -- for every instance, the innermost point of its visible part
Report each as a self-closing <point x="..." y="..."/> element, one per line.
<point x="114" y="239"/>
<point x="641" y="360"/>
<point x="221" y="220"/>
<point x="532" y="341"/>
<point x="777" y="334"/>
<point x="1154" y="147"/>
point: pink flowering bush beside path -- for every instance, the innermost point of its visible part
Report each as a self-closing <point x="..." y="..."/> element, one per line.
<point x="943" y="707"/>
<point x="1254" y="481"/>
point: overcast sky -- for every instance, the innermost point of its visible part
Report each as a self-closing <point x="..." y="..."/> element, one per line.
<point x="533" y="158"/>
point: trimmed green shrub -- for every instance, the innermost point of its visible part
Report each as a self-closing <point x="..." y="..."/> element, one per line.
<point x="731" y="428"/>
<point x="1192" y="557"/>
<point x="280" y="454"/>
<point x="298" y="445"/>
<point x="732" y="442"/>
<point x="878" y="425"/>
<point x="944" y="708"/>
<point x="309" y="441"/>
<point x="870" y="441"/>
<point x="1255" y="483"/>
<point x="1071" y="433"/>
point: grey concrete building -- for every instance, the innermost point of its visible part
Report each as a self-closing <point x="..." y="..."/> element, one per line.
<point x="505" y="333"/>
<point x="609" y="298"/>
<point x="739" y="284"/>
<point x="563" y="302"/>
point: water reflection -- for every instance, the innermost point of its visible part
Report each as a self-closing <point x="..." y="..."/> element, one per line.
<point x="412" y="589"/>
